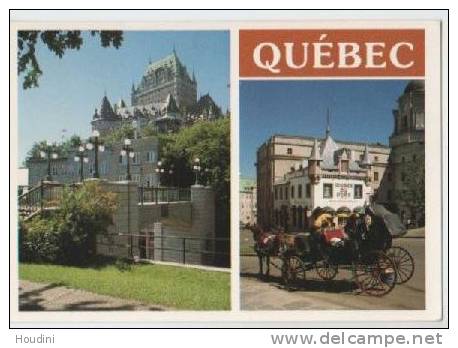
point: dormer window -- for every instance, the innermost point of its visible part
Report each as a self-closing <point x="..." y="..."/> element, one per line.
<point x="344" y="166"/>
<point x="289" y="150"/>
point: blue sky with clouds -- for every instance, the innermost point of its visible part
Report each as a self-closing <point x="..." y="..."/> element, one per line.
<point x="361" y="110"/>
<point x="72" y="87"/>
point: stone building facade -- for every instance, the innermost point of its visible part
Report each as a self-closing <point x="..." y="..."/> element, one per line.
<point x="112" y="166"/>
<point x="165" y="98"/>
<point x="280" y="153"/>
<point x="333" y="177"/>
<point x="248" y="201"/>
<point x="407" y="159"/>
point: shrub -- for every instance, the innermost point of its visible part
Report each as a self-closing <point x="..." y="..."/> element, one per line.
<point x="68" y="235"/>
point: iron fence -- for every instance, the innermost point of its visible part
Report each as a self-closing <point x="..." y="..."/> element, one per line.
<point x="163" y="194"/>
<point x="178" y="249"/>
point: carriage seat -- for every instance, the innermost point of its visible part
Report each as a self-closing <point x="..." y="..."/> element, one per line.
<point x="334" y="237"/>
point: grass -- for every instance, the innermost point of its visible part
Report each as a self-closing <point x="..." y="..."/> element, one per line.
<point x="177" y="287"/>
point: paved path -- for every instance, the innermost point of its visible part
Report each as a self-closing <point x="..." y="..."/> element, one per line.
<point x="268" y="294"/>
<point x="53" y="297"/>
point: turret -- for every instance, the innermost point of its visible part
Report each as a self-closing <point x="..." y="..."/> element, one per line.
<point x="314" y="168"/>
<point x="366" y="163"/>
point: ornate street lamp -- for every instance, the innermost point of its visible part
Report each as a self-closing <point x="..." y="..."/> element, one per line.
<point x="159" y="170"/>
<point x="82" y="158"/>
<point x="50" y="155"/>
<point x="197" y="168"/>
<point x="96" y="144"/>
<point x="128" y="151"/>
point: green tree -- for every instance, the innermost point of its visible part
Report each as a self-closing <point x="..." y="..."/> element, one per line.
<point x="68" y="235"/>
<point x="126" y="131"/>
<point x="210" y="142"/>
<point x="58" y="42"/>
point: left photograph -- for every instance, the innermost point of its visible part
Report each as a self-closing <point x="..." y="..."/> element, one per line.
<point x="124" y="170"/>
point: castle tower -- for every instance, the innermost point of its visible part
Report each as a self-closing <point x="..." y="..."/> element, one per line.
<point x="314" y="170"/>
<point x="366" y="163"/>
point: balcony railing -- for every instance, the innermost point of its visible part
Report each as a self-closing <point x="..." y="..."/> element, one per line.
<point x="163" y="194"/>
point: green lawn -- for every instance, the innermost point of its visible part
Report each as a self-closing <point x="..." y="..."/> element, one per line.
<point x="177" y="287"/>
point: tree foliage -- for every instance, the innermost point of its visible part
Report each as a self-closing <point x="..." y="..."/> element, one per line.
<point x="67" y="236"/>
<point x="210" y="142"/>
<point x="58" y="42"/>
<point x="61" y="149"/>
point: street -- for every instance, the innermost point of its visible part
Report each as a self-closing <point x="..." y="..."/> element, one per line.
<point x="269" y="294"/>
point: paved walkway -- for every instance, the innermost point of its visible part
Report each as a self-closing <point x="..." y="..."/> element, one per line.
<point x="54" y="297"/>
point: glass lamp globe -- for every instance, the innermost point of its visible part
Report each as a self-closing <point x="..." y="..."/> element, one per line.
<point x="131" y="154"/>
<point x="89" y="146"/>
<point x="76" y="158"/>
<point x="123" y="152"/>
<point x="101" y="148"/>
<point x="81" y="148"/>
<point x="42" y="154"/>
<point x="127" y="142"/>
<point x="95" y="133"/>
<point x="86" y="160"/>
<point x="54" y="155"/>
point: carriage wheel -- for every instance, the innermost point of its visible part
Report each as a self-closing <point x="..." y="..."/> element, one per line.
<point x="292" y="270"/>
<point x="375" y="274"/>
<point x="403" y="262"/>
<point x="326" y="270"/>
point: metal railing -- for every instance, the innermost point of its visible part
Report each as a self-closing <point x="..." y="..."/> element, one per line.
<point x="44" y="196"/>
<point x="178" y="249"/>
<point x="163" y="194"/>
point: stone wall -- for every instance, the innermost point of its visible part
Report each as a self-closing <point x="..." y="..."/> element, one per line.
<point x="118" y="242"/>
<point x="160" y="231"/>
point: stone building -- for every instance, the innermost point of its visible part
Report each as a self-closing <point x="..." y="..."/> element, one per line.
<point x="165" y="98"/>
<point x="333" y="177"/>
<point x="280" y="153"/>
<point x="248" y="202"/>
<point x="112" y="165"/>
<point x="403" y="184"/>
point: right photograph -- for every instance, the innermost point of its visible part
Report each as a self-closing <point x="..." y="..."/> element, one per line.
<point x="332" y="194"/>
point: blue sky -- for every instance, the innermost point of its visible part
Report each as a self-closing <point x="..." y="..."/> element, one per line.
<point x="72" y="87"/>
<point x="361" y="110"/>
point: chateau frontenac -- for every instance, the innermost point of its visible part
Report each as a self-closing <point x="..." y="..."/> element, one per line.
<point x="165" y="98"/>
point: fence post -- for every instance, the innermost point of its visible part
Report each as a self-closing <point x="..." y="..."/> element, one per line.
<point x="41" y="195"/>
<point x="184" y="250"/>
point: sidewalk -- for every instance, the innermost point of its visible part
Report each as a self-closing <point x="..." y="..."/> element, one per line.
<point x="55" y="297"/>
<point x="415" y="233"/>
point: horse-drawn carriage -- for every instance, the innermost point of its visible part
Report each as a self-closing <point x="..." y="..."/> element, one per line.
<point x="376" y="265"/>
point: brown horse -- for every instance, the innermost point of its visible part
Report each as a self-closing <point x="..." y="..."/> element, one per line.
<point x="266" y="244"/>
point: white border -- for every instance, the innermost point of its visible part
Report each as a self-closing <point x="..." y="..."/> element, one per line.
<point x="236" y="318"/>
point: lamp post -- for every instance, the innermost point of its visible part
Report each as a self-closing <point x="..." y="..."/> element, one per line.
<point x="197" y="168"/>
<point x="82" y="158"/>
<point x="50" y="155"/>
<point x="96" y="144"/>
<point x="128" y="151"/>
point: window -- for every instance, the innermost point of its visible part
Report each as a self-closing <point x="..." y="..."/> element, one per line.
<point x="292" y="191"/>
<point x="390" y="176"/>
<point x="136" y="177"/>
<point x="289" y="150"/>
<point x="375" y="176"/>
<point x="414" y="158"/>
<point x="286" y="192"/>
<point x="403" y="159"/>
<point x="358" y="194"/>
<point x="327" y="190"/>
<point x="308" y="191"/>
<point x="151" y="156"/>
<point x="281" y="192"/>
<point x="276" y="193"/>
<point x="375" y="158"/>
<point x="136" y="158"/>
<point x="299" y="191"/>
<point x="403" y="177"/>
